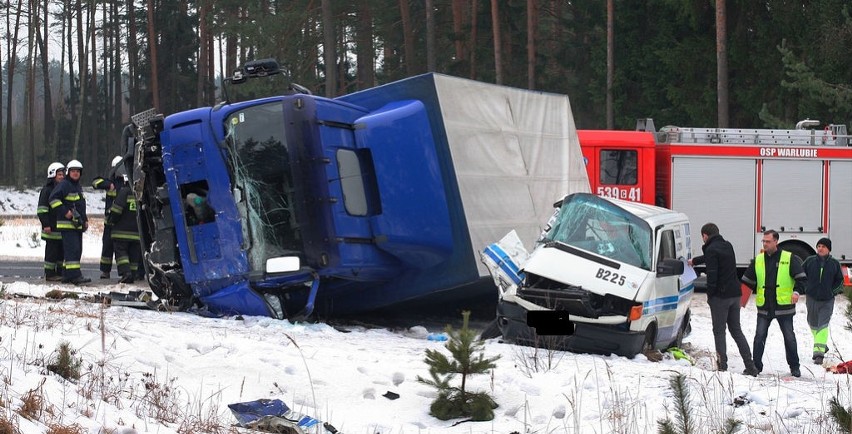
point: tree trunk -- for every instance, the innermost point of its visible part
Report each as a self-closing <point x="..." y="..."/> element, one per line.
<point x="430" y="37"/>
<point x="94" y="113"/>
<point x="722" y="63"/>
<point x="118" y="91"/>
<point x="498" y="51"/>
<point x="48" y="97"/>
<point x="152" y="51"/>
<point x="365" y="52"/>
<point x="473" y="13"/>
<point x="610" y="63"/>
<point x="83" y="68"/>
<point x="328" y="48"/>
<point x="202" y="53"/>
<point x="133" y="57"/>
<point x="531" y="27"/>
<point x="29" y="162"/>
<point x="11" y="62"/>
<point x="458" y="19"/>
<point x="408" y="38"/>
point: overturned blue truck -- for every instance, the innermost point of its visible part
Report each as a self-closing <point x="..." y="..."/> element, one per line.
<point x="293" y="204"/>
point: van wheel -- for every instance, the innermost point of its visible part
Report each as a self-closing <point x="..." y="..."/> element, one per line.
<point x="650" y="338"/>
<point x="684" y="330"/>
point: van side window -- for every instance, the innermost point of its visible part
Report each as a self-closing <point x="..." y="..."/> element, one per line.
<point x="667" y="246"/>
<point x="619" y="167"/>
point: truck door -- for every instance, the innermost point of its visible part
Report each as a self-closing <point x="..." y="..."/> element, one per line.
<point x="618" y="174"/>
<point x="792" y="206"/>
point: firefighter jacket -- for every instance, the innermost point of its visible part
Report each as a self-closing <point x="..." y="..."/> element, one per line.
<point x="102" y="183"/>
<point x="775" y="278"/>
<point x="122" y="216"/>
<point x="68" y="196"/>
<point x="825" y="277"/>
<point x="47" y="218"/>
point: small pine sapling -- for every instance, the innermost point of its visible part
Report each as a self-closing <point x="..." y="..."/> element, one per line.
<point x="467" y="359"/>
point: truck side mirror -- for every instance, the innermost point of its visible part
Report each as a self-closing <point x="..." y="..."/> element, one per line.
<point x="669" y="267"/>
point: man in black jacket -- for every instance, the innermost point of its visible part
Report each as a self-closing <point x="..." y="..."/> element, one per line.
<point x="723" y="296"/>
<point x="69" y="206"/>
<point x="825" y="280"/>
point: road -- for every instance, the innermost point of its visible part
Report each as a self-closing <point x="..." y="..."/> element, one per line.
<point x="16" y="270"/>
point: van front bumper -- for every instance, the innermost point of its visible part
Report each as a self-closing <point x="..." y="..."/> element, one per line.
<point x="578" y="337"/>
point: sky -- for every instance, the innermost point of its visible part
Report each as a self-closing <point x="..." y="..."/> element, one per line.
<point x="145" y="371"/>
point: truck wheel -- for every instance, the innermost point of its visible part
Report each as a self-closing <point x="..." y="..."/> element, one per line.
<point x="796" y="249"/>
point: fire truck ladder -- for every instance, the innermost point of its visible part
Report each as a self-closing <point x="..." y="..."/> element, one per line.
<point x="832" y="135"/>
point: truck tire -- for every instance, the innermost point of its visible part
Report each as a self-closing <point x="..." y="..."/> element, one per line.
<point x="798" y="249"/>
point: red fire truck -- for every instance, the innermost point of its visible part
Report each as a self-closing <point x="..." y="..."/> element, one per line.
<point x="798" y="182"/>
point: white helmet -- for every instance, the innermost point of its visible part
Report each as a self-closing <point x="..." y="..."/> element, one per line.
<point x="115" y="161"/>
<point x="74" y="164"/>
<point x="53" y="168"/>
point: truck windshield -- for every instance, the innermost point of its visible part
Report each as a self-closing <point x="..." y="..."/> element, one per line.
<point x="596" y="225"/>
<point x="263" y="181"/>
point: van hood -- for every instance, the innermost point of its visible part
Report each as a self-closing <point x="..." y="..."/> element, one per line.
<point x="572" y="266"/>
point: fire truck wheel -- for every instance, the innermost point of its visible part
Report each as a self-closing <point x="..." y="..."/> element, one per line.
<point x="797" y="249"/>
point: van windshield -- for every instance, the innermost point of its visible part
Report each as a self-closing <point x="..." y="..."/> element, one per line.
<point x="593" y="224"/>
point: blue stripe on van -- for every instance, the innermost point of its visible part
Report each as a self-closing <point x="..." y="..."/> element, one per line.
<point x="502" y="259"/>
<point x="663" y="304"/>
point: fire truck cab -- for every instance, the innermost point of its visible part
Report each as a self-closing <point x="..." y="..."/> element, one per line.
<point x="795" y="181"/>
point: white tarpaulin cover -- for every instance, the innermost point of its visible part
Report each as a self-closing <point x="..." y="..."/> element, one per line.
<point x="515" y="153"/>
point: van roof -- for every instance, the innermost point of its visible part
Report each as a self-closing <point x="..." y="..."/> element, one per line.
<point x="654" y="215"/>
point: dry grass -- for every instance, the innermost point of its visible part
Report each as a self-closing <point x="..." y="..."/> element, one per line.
<point x="65" y="429"/>
<point x="33" y="403"/>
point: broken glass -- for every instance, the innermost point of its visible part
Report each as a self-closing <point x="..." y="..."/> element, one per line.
<point x="263" y="182"/>
<point x="596" y="225"/>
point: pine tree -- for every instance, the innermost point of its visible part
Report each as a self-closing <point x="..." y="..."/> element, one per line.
<point x="455" y="402"/>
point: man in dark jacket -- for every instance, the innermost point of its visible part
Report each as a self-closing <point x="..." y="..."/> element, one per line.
<point x="825" y="280"/>
<point x="69" y="206"/>
<point x="111" y="184"/>
<point x="53" y="255"/>
<point x="125" y="233"/>
<point x="723" y="296"/>
<point x="778" y="278"/>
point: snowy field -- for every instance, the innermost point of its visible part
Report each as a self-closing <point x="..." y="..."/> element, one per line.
<point x="154" y="372"/>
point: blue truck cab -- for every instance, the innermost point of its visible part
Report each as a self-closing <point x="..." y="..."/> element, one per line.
<point x="275" y="206"/>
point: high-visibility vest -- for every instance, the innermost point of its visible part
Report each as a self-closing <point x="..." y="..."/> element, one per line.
<point x="783" y="281"/>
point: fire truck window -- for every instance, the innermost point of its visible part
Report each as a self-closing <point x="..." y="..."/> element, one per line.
<point x="619" y="167"/>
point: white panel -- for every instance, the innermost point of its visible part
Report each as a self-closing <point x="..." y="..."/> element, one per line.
<point x="792" y="195"/>
<point x="515" y="153"/>
<point x="840" y="209"/>
<point x="720" y="191"/>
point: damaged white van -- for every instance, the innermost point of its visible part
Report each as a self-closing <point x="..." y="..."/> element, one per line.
<point x="606" y="276"/>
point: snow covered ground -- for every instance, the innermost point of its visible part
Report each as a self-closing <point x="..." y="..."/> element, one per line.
<point x="157" y="372"/>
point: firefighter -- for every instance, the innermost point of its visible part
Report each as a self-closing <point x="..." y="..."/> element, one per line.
<point x="53" y="256"/>
<point x="125" y="233"/>
<point x="825" y="280"/>
<point x="779" y="278"/>
<point x="69" y="206"/>
<point x="111" y="184"/>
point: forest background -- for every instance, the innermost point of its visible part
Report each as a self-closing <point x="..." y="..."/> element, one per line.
<point x="73" y="71"/>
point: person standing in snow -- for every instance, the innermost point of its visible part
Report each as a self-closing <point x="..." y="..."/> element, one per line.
<point x="825" y="280"/>
<point x="778" y="277"/>
<point x="69" y="205"/>
<point x="112" y="183"/>
<point x="723" y="296"/>
<point x="53" y="255"/>
<point x="125" y="233"/>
